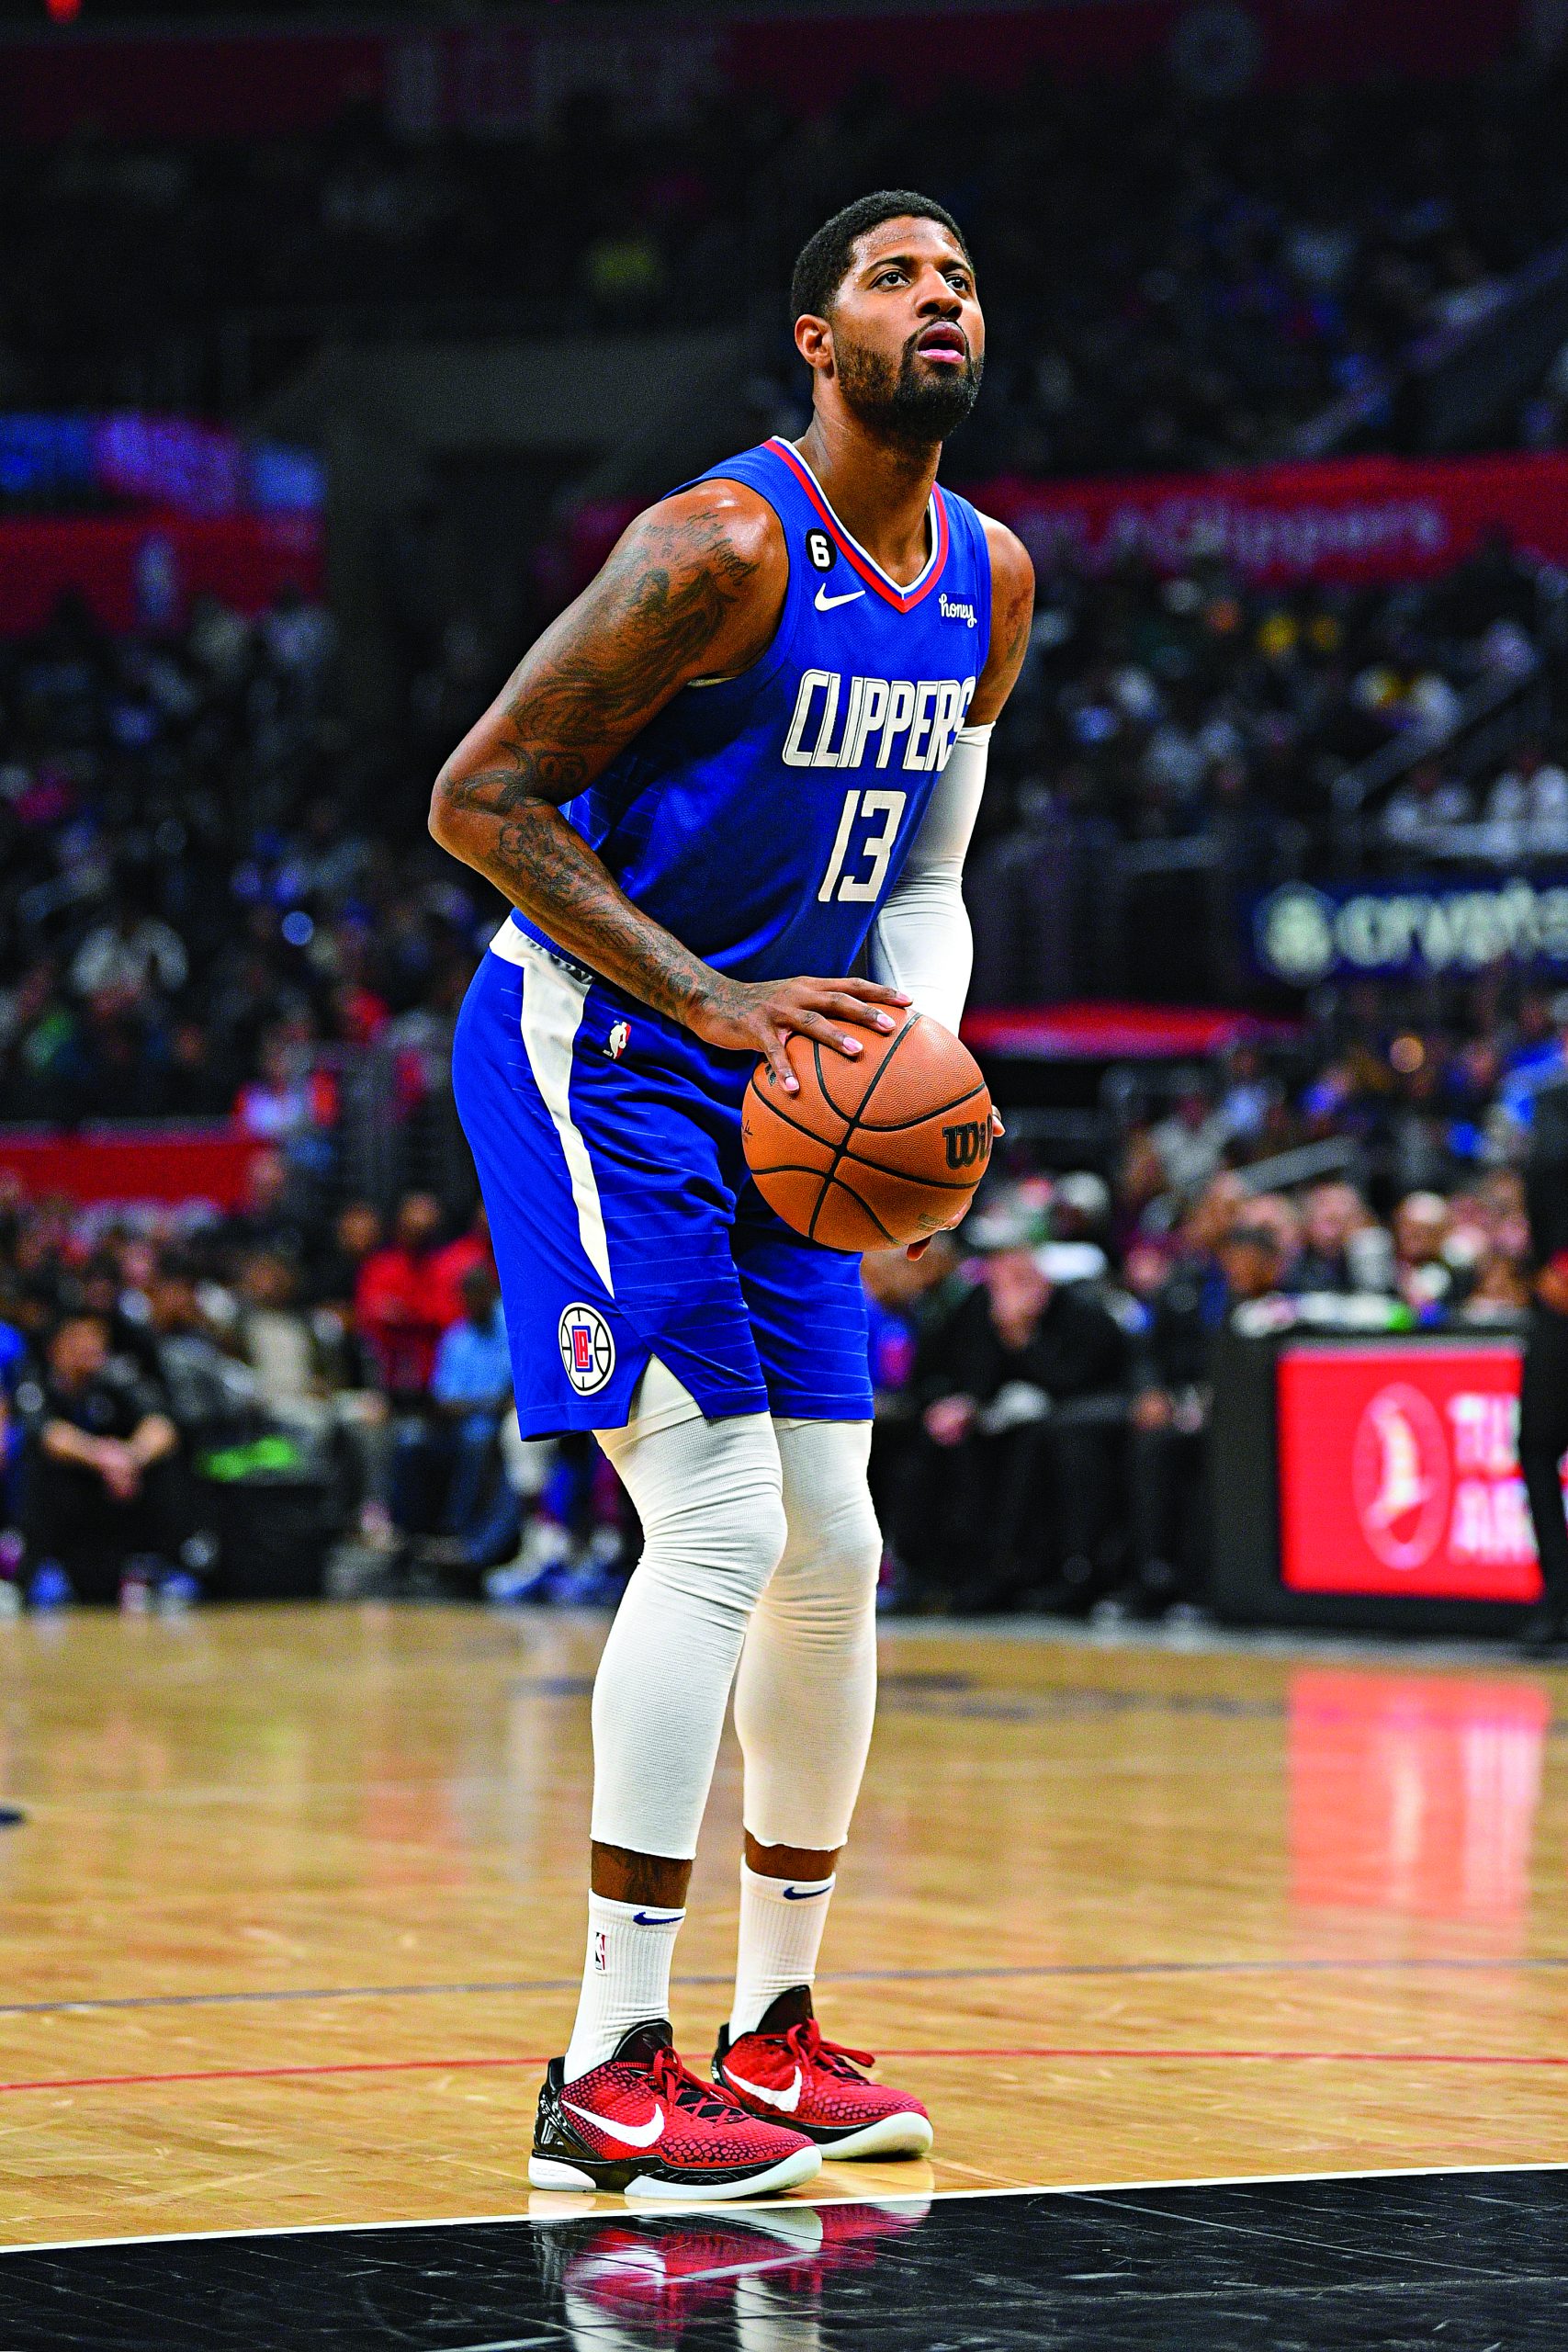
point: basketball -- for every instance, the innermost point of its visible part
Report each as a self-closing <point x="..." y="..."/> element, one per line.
<point x="876" y="1151"/>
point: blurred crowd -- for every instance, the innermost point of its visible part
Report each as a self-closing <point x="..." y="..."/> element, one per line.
<point x="198" y="910"/>
<point x="195" y="1405"/>
<point x="1176" y="281"/>
<point x="1176" y="277"/>
<point x="120" y="265"/>
<point x="1203" y="726"/>
<point x="229" y="1405"/>
<point x="1045" y="1377"/>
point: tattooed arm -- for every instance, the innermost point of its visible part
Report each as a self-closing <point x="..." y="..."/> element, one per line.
<point x="1012" y="609"/>
<point x="693" y="590"/>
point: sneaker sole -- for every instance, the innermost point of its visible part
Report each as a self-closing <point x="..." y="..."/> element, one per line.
<point x="801" y="2163"/>
<point x="891" y="2135"/>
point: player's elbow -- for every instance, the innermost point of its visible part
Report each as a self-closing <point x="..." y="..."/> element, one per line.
<point x="444" y="807"/>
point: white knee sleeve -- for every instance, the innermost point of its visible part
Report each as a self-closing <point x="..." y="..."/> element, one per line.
<point x="709" y="1496"/>
<point x="806" y="1691"/>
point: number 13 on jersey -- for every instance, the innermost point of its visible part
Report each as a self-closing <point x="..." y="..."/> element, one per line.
<point x="863" y="881"/>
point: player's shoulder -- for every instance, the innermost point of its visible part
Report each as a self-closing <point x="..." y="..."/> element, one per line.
<point x="1012" y="568"/>
<point x="712" y="524"/>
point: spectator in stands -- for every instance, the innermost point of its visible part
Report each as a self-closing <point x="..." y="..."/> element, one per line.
<point x="101" y="1483"/>
<point x="471" y="1391"/>
<point x="1021" y="1390"/>
<point x="1342" y="1248"/>
<point x="1528" y="805"/>
<point x="266" y="1220"/>
<point x="211" y="1394"/>
<point x="1421" y="813"/>
<point x="399" y="1301"/>
<point x="129" y="957"/>
<point x="904" y="1297"/>
<point x="455" y="1261"/>
<point x="1424" y="1275"/>
<point x="1190" y="1142"/>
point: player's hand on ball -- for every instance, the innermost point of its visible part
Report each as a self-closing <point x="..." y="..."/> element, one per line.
<point x="761" y="1016"/>
<point x="919" y="1248"/>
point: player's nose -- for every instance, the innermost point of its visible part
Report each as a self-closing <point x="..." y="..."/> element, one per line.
<point x="938" y="300"/>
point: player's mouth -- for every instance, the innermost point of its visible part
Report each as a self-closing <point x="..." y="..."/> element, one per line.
<point x="948" y="345"/>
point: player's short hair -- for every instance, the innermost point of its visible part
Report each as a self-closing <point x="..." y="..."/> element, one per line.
<point x="824" y="259"/>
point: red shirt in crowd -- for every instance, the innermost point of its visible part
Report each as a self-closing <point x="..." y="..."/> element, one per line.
<point x="399" y="1307"/>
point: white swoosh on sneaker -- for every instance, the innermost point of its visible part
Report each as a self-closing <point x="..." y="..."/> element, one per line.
<point x="636" y="2135"/>
<point x="786" y="2100"/>
<point x="825" y="603"/>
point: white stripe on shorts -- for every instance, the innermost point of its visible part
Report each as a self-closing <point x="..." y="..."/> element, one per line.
<point x="553" y="999"/>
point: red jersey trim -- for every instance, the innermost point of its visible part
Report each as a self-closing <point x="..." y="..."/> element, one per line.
<point x="902" y="600"/>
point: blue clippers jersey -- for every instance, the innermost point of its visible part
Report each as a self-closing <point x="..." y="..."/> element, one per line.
<point x="765" y="819"/>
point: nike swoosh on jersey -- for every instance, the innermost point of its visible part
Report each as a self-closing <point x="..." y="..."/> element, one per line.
<point x="825" y="603"/>
<point x="786" y="2100"/>
<point x="635" y="2135"/>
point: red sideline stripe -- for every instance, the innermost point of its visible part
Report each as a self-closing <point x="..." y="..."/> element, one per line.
<point x="453" y="2065"/>
<point x="901" y="599"/>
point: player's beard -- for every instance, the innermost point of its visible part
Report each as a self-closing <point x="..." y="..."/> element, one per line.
<point x="906" y="402"/>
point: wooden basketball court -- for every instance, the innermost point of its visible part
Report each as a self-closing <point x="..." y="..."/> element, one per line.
<point x="294" y="1914"/>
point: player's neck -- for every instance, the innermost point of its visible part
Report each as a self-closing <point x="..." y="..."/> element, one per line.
<point x="879" y="490"/>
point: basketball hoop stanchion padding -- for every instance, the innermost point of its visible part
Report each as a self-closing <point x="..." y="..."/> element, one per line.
<point x="1368" y="1483"/>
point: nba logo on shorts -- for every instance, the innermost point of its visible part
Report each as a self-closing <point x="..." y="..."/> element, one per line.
<point x="587" y="1349"/>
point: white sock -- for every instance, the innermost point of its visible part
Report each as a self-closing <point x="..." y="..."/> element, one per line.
<point x="782" y="1921"/>
<point x="626" y="1977"/>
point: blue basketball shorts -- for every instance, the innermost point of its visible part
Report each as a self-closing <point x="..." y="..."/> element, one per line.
<point x="607" y="1141"/>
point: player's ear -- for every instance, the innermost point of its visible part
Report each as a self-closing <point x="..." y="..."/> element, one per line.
<point x="814" y="341"/>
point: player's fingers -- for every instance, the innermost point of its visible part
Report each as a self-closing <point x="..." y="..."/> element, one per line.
<point x="773" y="1043"/>
<point x="814" y="1024"/>
<point x="996" y="1126"/>
<point x="872" y="990"/>
<point x="843" y="1007"/>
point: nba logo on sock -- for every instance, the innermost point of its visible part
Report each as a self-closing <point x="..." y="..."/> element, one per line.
<point x="601" y="1957"/>
<point x="587" y="1349"/>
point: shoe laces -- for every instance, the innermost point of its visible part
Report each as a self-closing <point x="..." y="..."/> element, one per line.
<point x="676" y="2083"/>
<point x="805" y="2044"/>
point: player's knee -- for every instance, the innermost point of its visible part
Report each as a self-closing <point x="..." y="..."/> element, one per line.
<point x="720" y="1552"/>
<point x="759" y="1539"/>
<point x="829" y="1569"/>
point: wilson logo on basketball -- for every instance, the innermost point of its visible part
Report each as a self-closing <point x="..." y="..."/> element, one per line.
<point x="967" y="1143"/>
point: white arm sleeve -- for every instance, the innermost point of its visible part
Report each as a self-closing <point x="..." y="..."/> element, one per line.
<point x="922" y="941"/>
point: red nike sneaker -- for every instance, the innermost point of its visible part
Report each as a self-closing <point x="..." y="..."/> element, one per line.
<point x="785" y="2069"/>
<point x="642" y="2125"/>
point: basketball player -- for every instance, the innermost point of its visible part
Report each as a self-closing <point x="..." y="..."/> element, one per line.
<point x="753" y="749"/>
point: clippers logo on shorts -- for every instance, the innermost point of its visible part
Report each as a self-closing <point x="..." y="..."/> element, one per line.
<point x="587" y="1349"/>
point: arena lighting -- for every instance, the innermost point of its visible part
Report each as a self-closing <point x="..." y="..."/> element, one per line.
<point x="63" y="12"/>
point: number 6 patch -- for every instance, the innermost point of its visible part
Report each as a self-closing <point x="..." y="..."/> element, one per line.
<point x="820" y="548"/>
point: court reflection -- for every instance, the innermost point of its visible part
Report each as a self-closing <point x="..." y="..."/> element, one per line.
<point x="747" y="2280"/>
<point x="1416" y="1792"/>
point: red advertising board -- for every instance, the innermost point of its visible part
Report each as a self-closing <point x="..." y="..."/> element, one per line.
<point x="1399" y="1472"/>
<point x="1351" y="519"/>
<point x="143" y="571"/>
<point x="167" y="1167"/>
